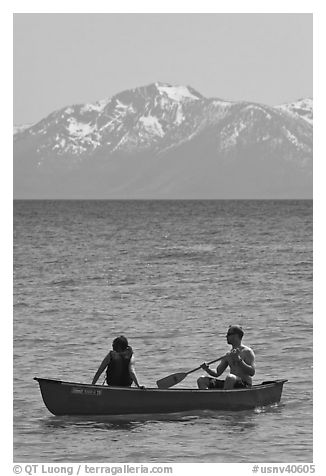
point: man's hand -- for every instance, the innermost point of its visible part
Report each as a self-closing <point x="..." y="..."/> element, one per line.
<point x="205" y="367"/>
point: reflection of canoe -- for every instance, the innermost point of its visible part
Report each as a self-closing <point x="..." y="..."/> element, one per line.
<point x="68" y="398"/>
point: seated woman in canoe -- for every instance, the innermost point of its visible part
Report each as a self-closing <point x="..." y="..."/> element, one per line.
<point x="119" y="364"/>
<point x="241" y="361"/>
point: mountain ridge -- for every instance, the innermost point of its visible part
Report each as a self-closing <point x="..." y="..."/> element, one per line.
<point x="93" y="149"/>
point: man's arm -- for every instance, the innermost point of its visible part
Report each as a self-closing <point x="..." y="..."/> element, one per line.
<point x="248" y="363"/>
<point x="101" y="368"/>
<point x="219" y="369"/>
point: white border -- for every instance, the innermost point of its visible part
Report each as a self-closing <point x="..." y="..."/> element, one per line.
<point x="174" y="6"/>
<point x="160" y="6"/>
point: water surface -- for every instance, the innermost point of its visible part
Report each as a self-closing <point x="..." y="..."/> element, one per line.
<point x="171" y="275"/>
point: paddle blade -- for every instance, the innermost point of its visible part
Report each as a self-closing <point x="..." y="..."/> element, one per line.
<point x="171" y="380"/>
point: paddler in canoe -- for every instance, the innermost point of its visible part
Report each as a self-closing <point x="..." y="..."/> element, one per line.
<point x="119" y="364"/>
<point x="240" y="359"/>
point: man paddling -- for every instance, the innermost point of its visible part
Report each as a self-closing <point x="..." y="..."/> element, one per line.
<point x="241" y="361"/>
<point x="119" y="364"/>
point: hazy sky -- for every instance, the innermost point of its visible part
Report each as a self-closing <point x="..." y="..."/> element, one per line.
<point x="63" y="59"/>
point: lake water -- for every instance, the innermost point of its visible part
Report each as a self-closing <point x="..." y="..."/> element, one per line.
<point x="171" y="276"/>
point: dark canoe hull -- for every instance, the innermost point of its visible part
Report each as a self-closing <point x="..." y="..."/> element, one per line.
<point x="68" y="398"/>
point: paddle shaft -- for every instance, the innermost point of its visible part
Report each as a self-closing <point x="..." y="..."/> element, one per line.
<point x="173" y="379"/>
<point x="208" y="363"/>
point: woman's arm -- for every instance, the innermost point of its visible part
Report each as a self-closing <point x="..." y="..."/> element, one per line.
<point x="132" y="372"/>
<point x="101" y="368"/>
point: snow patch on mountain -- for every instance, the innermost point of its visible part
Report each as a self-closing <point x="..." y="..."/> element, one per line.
<point x="179" y="118"/>
<point x="176" y="93"/>
<point x="231" y="133"/>
<point x="21" y="128"/>
<point x="291" y="137"/>
<point x="302" y="108"/>
<point x="61" y="143"/>
<point x="294" y="140"/>
<point x="152" y="125"/>
<point x="122" y="141"/>
<point x="121" y="105"/>
<point x="252" y="108"/>
<point x="98" y="106"/>
<point x="79" y="130"/>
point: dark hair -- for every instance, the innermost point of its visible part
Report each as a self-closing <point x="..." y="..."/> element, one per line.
<point x="120" y="343"/>
<point x="236" y="330"/>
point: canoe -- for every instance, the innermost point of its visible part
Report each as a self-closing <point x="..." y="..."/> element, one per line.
<point x="69" y="398"/>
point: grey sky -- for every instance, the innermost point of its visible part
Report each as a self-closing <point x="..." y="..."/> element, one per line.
<point x="62" y="59"/>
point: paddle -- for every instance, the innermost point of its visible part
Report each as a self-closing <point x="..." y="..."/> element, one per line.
<point x="173" y="379"/>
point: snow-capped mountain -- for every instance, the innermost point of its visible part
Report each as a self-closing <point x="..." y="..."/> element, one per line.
<point x="163" y="140"/>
